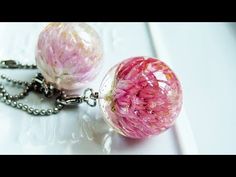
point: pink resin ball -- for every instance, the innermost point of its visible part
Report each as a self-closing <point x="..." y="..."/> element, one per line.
<point x="68" y="54"/>
<point x="140" y="96"/>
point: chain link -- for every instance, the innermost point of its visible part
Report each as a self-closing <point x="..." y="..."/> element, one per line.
<point x="39" y="85"/>
<point x="12" y="64"/>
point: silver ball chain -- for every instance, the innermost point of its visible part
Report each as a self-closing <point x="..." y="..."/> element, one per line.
<point x="38" y="84"/>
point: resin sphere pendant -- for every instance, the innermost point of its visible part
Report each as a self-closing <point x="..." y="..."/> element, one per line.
<point x="68" y="54"/>
<point x="140" y="96"/>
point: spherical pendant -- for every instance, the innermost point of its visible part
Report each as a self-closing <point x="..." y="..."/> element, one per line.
<point x="140" y="97"/>
<point x="68" y="54"/>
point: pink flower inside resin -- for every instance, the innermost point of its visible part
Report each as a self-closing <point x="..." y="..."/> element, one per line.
<point x="140" y="97"/>
<point x="68" y="54"/>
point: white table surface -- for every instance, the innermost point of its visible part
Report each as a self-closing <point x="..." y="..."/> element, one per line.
<point x="202" y="55"/>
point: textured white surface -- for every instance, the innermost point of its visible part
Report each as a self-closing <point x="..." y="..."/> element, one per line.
<point x="82" y="129"/>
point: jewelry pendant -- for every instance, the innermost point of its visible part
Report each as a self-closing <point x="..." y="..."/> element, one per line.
<point x="140" y="96"/>
<point x="68" y="54"/>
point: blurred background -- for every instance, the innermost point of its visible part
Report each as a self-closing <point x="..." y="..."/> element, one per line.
<point x="203" y="55"/>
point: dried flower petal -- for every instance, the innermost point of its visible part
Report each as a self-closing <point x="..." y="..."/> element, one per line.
<point x="68" y="54"/>
<point x="145" y="97"/>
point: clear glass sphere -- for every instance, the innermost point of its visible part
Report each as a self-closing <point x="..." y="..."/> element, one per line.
<point x="69" y="54"/>
<point x="140" y="97"/>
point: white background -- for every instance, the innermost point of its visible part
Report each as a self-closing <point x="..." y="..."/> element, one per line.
<point x="202" y="55"/>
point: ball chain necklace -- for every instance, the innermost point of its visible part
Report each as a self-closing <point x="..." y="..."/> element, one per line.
<point x="39" y="85"/>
